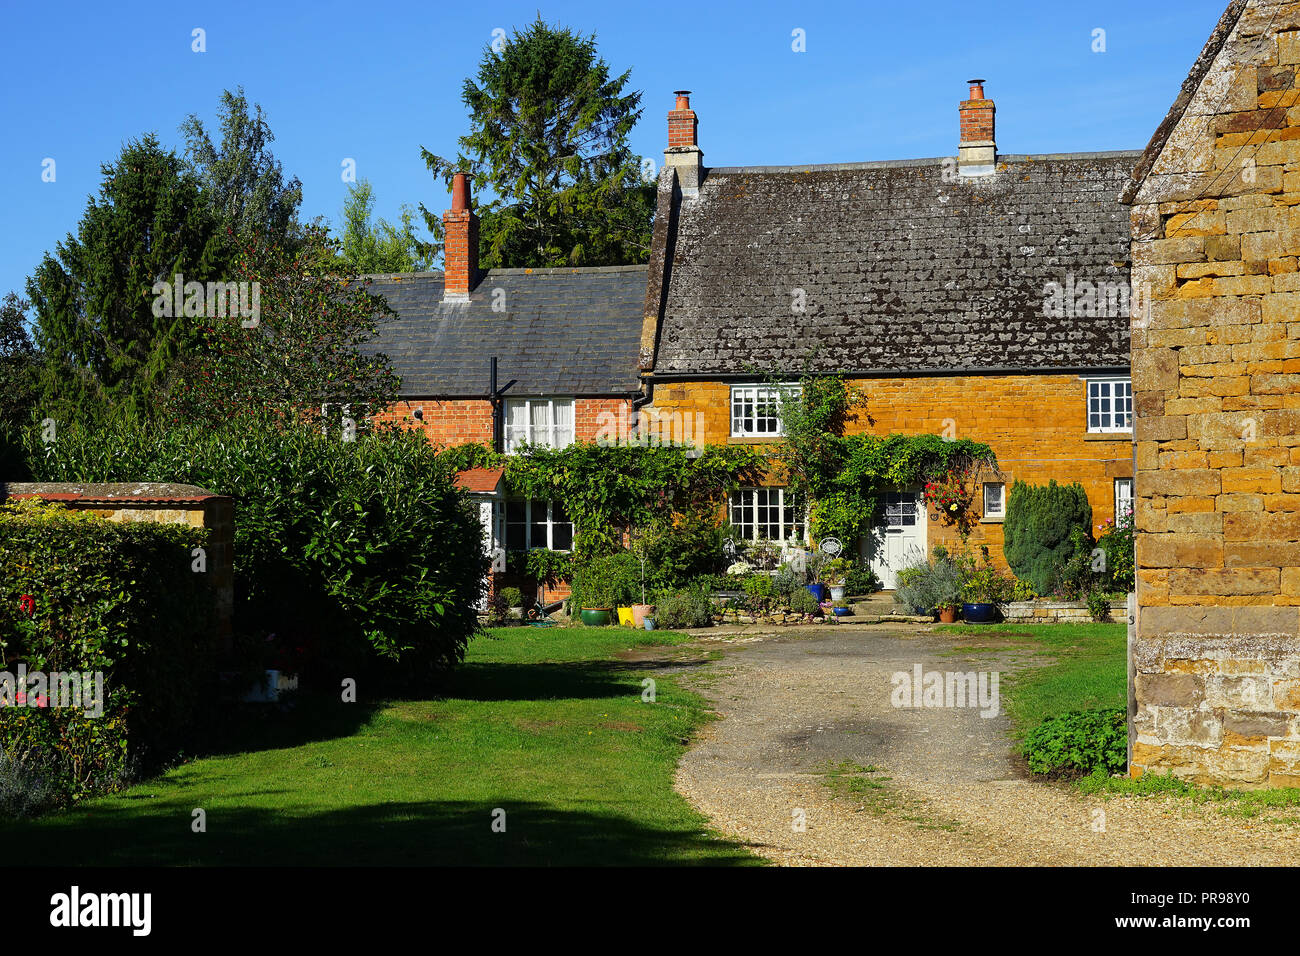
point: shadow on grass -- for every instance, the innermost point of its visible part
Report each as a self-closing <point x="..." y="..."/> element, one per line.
<point x="240" y="728"/>
<point x="575" y="680"/>
<point x="391" y="834"/>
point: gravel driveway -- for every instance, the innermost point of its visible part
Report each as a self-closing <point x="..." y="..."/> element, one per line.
<point x="929" y="786"/>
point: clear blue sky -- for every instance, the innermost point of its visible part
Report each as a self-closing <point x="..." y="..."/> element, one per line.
<point x="376" y="81"/>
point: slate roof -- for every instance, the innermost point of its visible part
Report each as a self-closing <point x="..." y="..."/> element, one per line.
<point x="901" y="270"/>
<point x="562" y="332"/>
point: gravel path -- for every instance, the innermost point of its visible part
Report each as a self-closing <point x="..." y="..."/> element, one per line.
<point x="930" y="786"/>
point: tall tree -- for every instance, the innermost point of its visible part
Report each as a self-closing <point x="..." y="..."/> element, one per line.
<point x="307" y="342"/>
<point x="378" y="246"/>
<point x="549" y="129"/>
<point x="104" y="346"/>
<point x="17" y="362"/>
<point x="243" y="183"/>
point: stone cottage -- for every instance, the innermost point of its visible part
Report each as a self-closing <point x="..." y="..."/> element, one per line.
<point x="1216" y="383"/>
<point x="982" y="295"/>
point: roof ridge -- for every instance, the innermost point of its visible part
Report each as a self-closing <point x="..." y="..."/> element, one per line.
<point x="546" y="270"/>
<point x="929" y="161"/>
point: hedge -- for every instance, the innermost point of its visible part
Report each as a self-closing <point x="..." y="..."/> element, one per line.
<point x="81" y="593"/>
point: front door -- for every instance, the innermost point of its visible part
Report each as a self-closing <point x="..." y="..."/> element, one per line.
<point x="899" y="540"/>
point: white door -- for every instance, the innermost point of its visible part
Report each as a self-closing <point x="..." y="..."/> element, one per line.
<point x="900" y="539"/>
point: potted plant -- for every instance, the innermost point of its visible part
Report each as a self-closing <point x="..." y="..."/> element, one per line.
<point x="948" y="612"/>
<point x="833" y="575"/>
<point x="985" y="589"/>
<point x="641" y="545"/>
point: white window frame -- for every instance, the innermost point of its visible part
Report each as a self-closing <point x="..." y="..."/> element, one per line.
<point x="548" y="439"/>
<point x="785" y="501"/>
<point x="1108" y="423"/>
<point x="755" y="394"/>
<point x="1001" y="512"/>
<point x="549" y="521"/>
<point x="1123" y="483"/>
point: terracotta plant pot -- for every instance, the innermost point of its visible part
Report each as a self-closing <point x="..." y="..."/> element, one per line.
<point x="948" y="615"/>
<point x="640" y="612"/>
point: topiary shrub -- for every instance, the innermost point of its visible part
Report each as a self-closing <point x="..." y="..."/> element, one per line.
<point x="1077" y="743"/>
<point x="1037" y="530"/>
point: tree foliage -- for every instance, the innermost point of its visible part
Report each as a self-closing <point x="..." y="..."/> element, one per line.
<point x="18" y="368"/>
<point x="370" y="247"/>
<point x="549" y="137"/>
<point x="243" y="183"/>
<point x="310" y="346"/>
<point x="102" y="345"/>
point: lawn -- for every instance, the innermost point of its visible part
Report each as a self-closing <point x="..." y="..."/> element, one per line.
<point x="546" y="724"/>
<point x="1087" y="668"/>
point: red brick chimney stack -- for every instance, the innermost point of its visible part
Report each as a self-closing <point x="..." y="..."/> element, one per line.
<point x="977" y="150"/>
<point x="683" y="126"/>
<point x="460" y="251"/>
<point x="683" y="152"/>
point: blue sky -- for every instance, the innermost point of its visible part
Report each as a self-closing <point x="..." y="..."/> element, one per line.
<point x="376" y="81"/>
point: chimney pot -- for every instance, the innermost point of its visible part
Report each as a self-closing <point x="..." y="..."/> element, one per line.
<point x="460" y="192"/>
<point x="683" y="99"/>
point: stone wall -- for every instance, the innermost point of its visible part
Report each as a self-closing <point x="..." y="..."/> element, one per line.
<point x="1036" y="424"/>
<point x="164" y="504"/>
<point x="1216" y="377"/>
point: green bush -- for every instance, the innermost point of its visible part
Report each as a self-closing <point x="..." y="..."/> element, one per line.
<point x="512" y="597"/>
<point x="360" y="556"/>
<point x="930" y="585"/>
<point x="690" y="607"/>
<point x="860" y="579"/>
<point x="613" y="580"/>
<point x="80" y="593"/>
<point x="1116" y="542"/>
<point x="1037" y="530"/>
<point x="1077" y="743"/>
<point x="1099" y="604"/>
<point x="801" y="601"/>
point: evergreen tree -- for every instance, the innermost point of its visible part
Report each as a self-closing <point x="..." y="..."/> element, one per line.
<point x="103" y="347"/>
<point x="17" y="363"/>
<point x="549" y="129"/>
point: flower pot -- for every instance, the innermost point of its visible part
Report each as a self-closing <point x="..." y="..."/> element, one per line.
<point x="625" y="617"/>
<point x="948" y="615"/>
<point x="639" y="614"/>
<point x="840" y="611"/>
<point x="649" y="624"/>
<point x="818" y="591"/>
<point x="595" y="616"/>
<point x="837" y="593"/>
<point x="979" y="613"/>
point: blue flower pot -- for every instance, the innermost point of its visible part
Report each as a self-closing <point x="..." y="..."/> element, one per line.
<point x="979" y="613"/>
<point x="649" y="623"/>
<point x="818" y="591"/>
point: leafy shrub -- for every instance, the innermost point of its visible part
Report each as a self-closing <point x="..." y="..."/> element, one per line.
<point x="860" y="579"/>
<point x="611" y="580"/>
<point x="512" y="597"/>
<point x="1077" y="743"/>
<point x="676" y="553"/>
<point x="988" y="585"/>
<point x="1023" y="591"/>
<point x="1037" y="529"/>
<point x="689" y="607"/>
<point x="802" y="602"/>
<point x="1116" y="543"/>
<point x="361" y="552"/>
<point x="80" y="593"/>
<point x="1076" y="579"/>
<point x="24" y="791"/>
<point x="931" y="585"/>
<point x="1099" y="604"/>
<point x="760" y="591"/>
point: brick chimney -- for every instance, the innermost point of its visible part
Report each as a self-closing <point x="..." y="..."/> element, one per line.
<point x="460" y="250"/>
<point x="683" y="152"/>
<point x="977" y="152"/>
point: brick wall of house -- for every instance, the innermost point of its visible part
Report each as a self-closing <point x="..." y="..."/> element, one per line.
<point x="1035" y="424"/>
<point x="1216" y="376"/>
<point x="450" y="422"/>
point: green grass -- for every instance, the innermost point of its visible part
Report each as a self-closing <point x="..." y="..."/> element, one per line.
<point x="1087" y="669"/>
<point x="1276" y="805"/>
<point x="866" y="787"/>
<point x="544" y="723"/>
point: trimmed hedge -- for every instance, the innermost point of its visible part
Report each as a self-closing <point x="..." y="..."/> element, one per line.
<point x="1037" y="529"/>
<point x="81" y="593"/>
